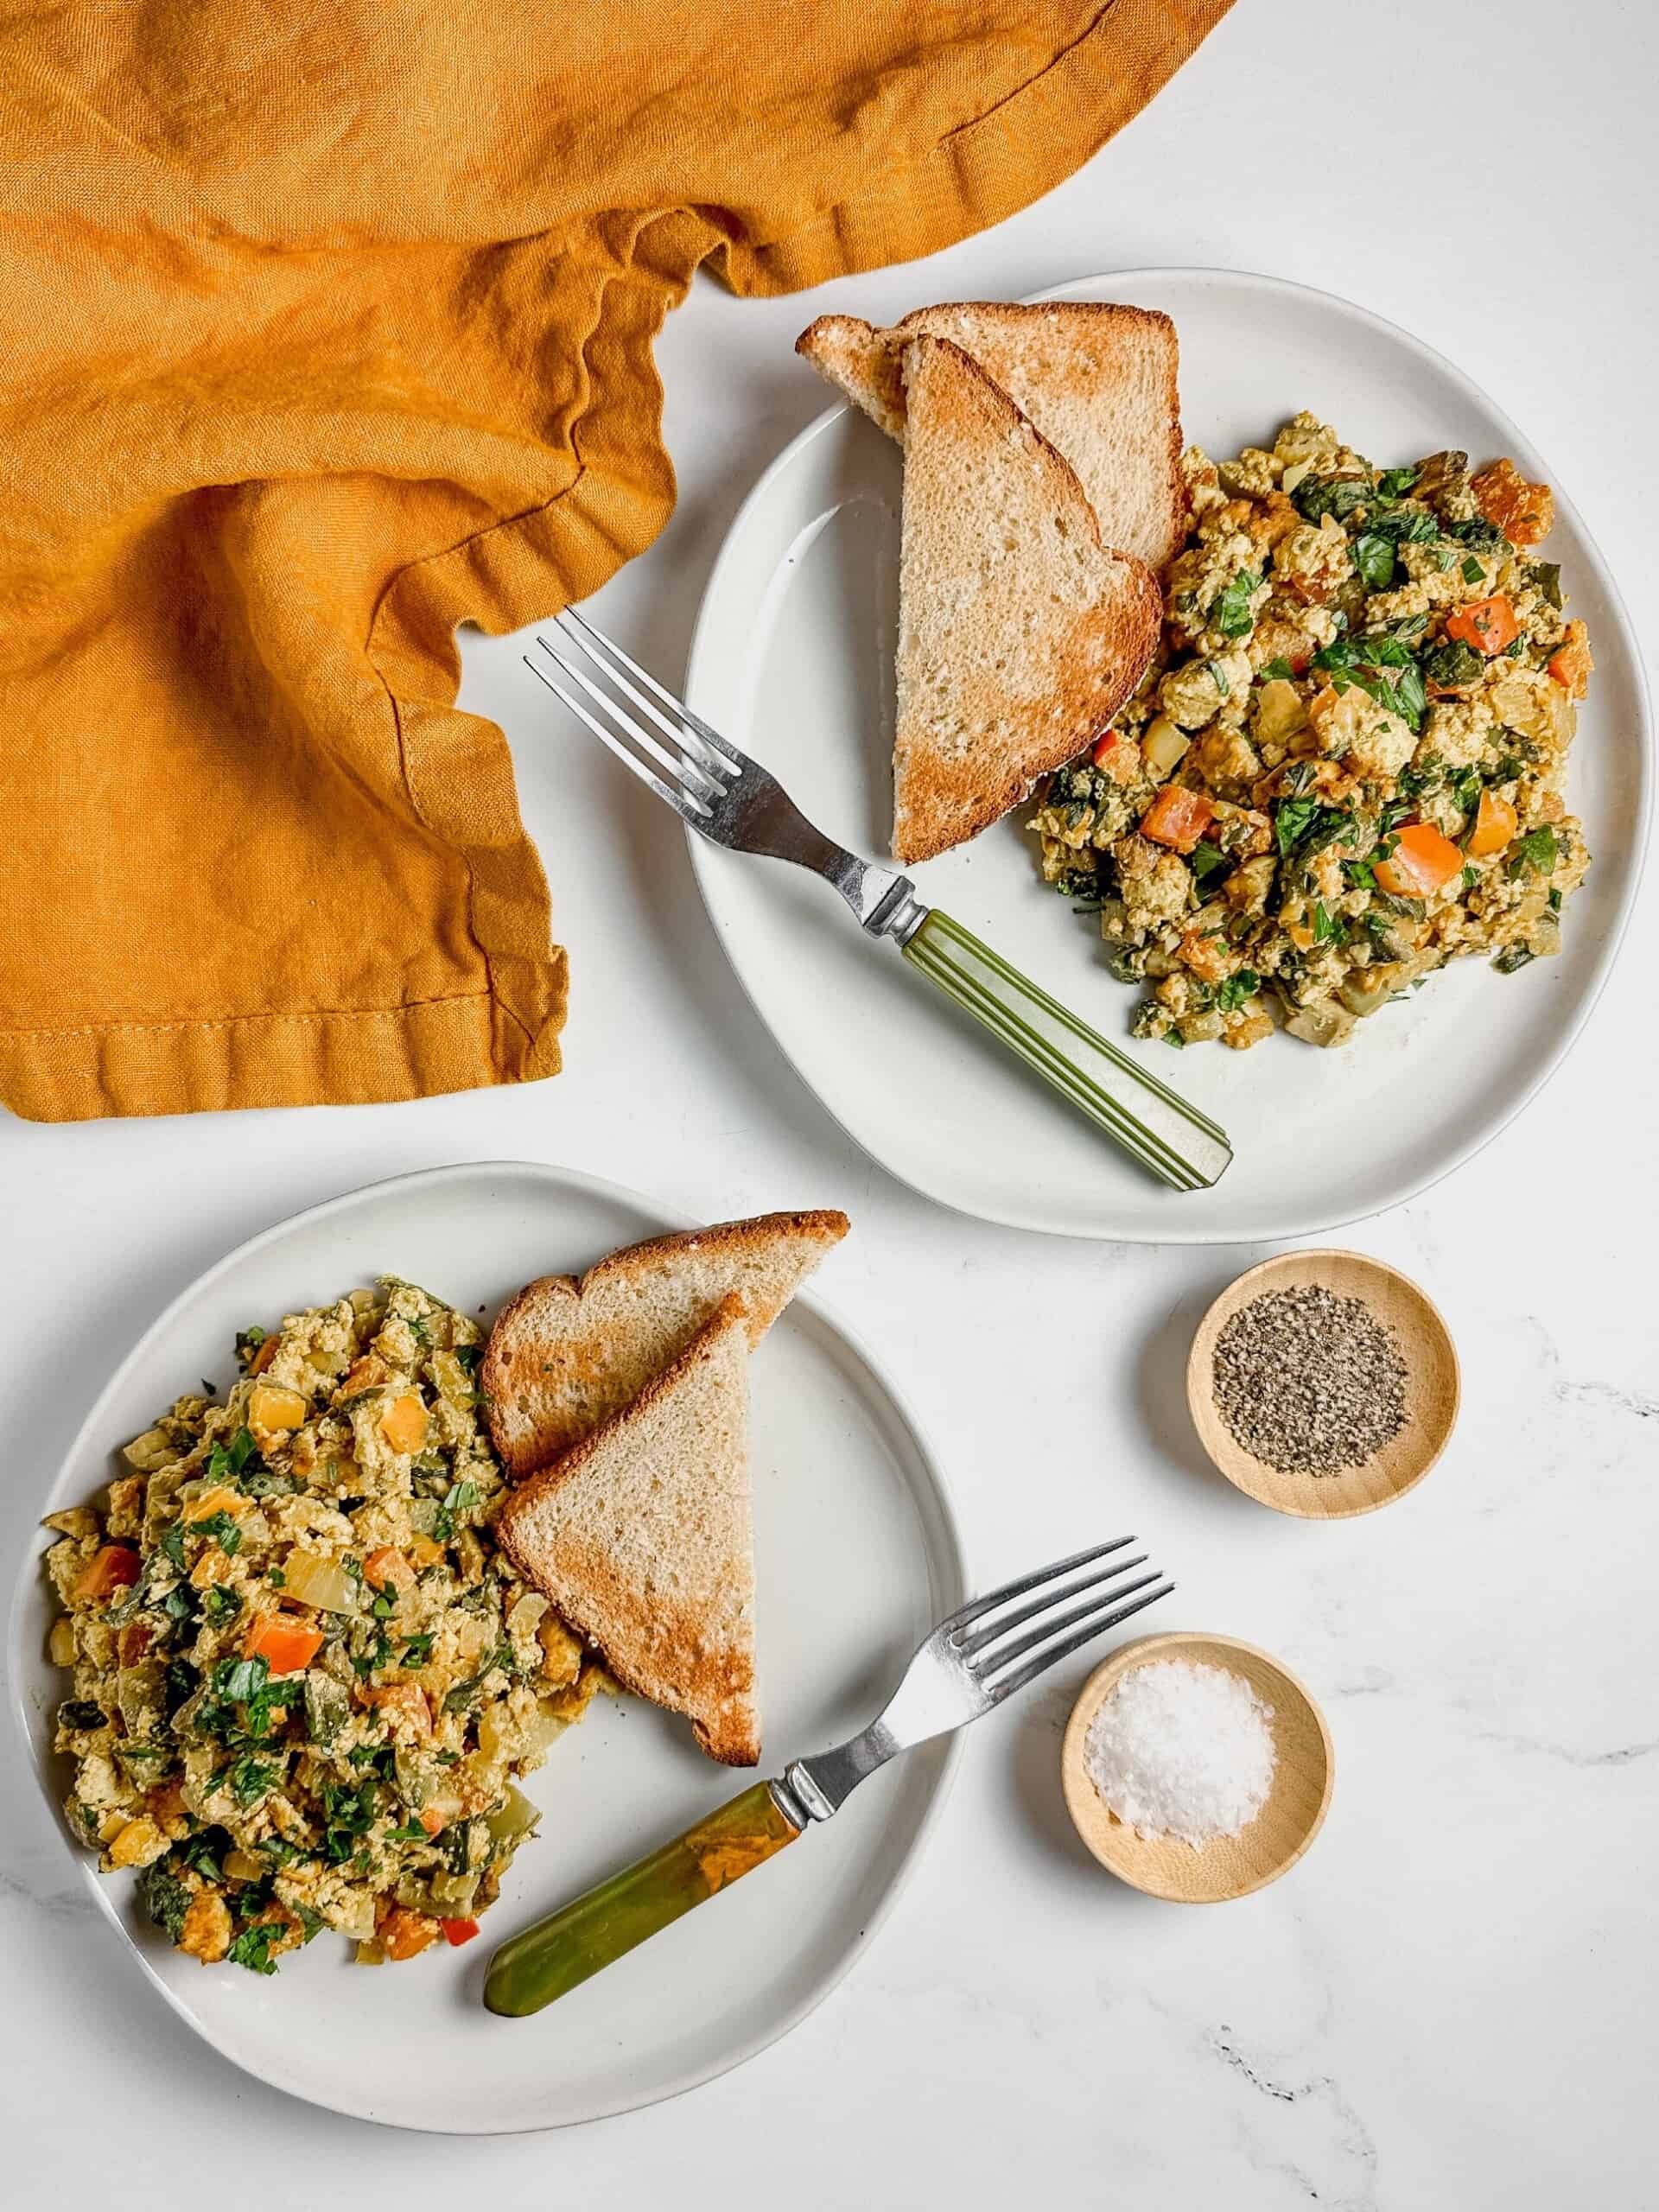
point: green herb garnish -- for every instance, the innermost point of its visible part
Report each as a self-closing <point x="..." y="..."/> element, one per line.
<point x="1537" y="849"/>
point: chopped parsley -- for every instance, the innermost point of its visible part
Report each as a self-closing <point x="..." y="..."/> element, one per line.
<point x="1537" y="849"/>
<point x="1276" y="671"/>
<point x="227" y="1460"/>
<point x="1207" y="860"/>
<point x="1454" y="665"/>
<point x="1237" y="990"/>
<point x="251" y="1949"/>
<point x="1229" y="611"/>
<point x="1473" y="571"/>
<point x="1374" y="557"/>
<point x="248" y="1779"/>
<point x="1325" y="924"/>
<point x="1382" y="665"/>
<point x="223" y="1528"/>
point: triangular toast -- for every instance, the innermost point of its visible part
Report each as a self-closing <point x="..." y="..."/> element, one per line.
<point x="642" y="1537"/>
<point x="568" y="1351"/>
<point x="1019" y="635"/>
<point x="1097" y="379"/>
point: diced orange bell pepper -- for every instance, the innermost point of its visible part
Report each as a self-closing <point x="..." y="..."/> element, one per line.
<point x="1420" y="862"/>
<point x="1105" y="743"/>
<point x="263" y="1356"/>
<point x="457" y="1932"/>
<point x="286" y="1646"/>
<point x="1521" y="511"/>
<point x="1488" y="625"/>
<point x="405" y="1935"/>
<point x="403" y="1423"/>
<point x="1177" y="818"/>
<point x="1570" y="663"/>
<point x="387" y="1569"/>
<point x="113" y="1567"/>
<point x="1495" y="825"/>
<point x="432" y="1819"/>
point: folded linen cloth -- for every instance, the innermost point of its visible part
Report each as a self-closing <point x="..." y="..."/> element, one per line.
<point x="328" y="327"/>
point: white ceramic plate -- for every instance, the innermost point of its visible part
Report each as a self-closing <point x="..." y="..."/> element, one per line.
<point x="793" y="658"/>
<point x="857" y="1555"/>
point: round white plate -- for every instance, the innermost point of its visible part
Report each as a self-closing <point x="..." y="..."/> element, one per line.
<point x="857" y="1555"/>
<point x="793" y="658"/>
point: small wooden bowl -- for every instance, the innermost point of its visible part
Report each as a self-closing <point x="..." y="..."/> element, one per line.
<point x="1432" y="1387"/>
<point x="1303" y="1770"/>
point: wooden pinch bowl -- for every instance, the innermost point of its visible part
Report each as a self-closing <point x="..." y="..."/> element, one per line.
<point x="1232" y="1866"/>
<point x="1432" y="1387"/>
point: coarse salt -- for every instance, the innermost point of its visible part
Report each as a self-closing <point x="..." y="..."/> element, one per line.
<point x="1182" y="1749"/>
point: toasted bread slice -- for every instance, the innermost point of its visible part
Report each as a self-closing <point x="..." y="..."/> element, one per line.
<point x="1099" y="380"/>
<point x="642" y="1537"/>
<point x="568" y="1351"/>
<point x="1019" y="635"/>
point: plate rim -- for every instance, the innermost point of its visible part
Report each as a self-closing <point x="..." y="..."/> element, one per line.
<point x="1316" y="1223"/>
<point x="669" y="1219"/>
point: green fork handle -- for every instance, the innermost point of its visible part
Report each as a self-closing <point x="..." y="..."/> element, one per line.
<point x="1178" y="1143"/>
<point x="557" y="1954"/>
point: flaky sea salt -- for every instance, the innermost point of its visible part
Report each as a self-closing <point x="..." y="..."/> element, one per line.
<point x="1184" y="1750"/>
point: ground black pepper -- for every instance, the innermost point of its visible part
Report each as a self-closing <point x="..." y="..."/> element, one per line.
<point x="1309" y="1382"/>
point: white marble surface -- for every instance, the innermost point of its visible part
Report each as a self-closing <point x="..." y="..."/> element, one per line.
<point x="1451" y="2005"/>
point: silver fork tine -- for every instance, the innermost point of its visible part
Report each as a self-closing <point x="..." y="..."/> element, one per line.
<point x="682" y="801"/>
<point x="685" y="771"/>
<point x="1005" y="1685"/>
<point x="993" y="1660"/>
<point x="699" y="753"/>
<point x="725" y="752"/>
<point x="1047" y="1603"/>
<point x="1017" y="1588"/>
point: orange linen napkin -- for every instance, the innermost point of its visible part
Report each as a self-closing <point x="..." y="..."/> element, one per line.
<point x="325" y="329"/>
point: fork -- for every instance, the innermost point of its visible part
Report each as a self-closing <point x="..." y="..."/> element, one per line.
<point x="972" y="1661"/>
<point x="733" y="801"/>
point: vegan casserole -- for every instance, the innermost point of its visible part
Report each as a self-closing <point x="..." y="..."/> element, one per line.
<point x="1345" y="766"/>
<point x="305" y="1680"/>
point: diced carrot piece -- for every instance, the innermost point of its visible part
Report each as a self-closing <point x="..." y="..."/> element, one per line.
<point x="432" y="1819"/>
<point x="1105" y="743"/>
<point x="113" y="1567"/>
<point x="271" y="1409"/>
<point x="387" y="1569"/>
<point x="263" y="1356"/>
<point x="1489" y="624"/>
<point x="1496" y="821"/>
<point x="458" y="1932"/>
<point x="1420" y="862"/>
<point x="368" y="1374"/>
<point x="403" y="1423"/>
<point x="425" y="1551"/>
<point x="1570" y="663"/>
<point x="1177" y="818"/>
<point x="285" y="1646"/>
<point x="1521" y="511"/>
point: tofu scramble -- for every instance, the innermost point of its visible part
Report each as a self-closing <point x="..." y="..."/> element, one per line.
<point x="1345" y="766"/>
<point x="304" y="1678"/>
